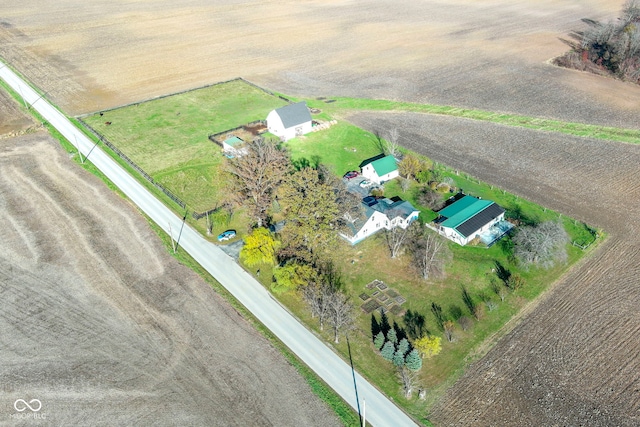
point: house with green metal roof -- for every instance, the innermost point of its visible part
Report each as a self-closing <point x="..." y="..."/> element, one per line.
<point x="467" y="218"/>
<point x="380" y="168"/>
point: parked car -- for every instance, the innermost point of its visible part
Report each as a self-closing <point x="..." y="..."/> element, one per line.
<point x="229" y="234"/>
<point x="351" y="175"/>
<point x="365" y="183"/>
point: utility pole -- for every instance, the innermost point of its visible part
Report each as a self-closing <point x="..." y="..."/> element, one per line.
<point x="23" y="98"/>
<point x="364" y="410"/>
<point x="78" y="148"/>
<point x="173" y="243"/>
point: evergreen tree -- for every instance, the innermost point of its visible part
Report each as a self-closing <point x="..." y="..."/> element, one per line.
<point x="379" y="340"/>
<point x="413" y="360"/>
<point x="375" y="326"/>
<point x="388" y="351"/>
<point x="398" y="359"/>
<point x="392" y="336"/>
<point x="403" y="346"/>
<point x="384" y="321"/>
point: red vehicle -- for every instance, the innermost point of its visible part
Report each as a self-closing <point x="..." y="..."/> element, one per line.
<point x="351" y="175"/>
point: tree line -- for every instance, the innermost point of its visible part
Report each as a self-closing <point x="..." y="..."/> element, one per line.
<point x="607" y="47"/>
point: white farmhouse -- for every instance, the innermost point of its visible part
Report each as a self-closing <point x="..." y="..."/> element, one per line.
<point x="380" y="214"/>
<point x="290" y="121"/>
<point x="380" y="169"/>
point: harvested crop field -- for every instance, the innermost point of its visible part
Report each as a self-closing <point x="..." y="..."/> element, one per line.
<point x="102" y="326"/>
<point x="12" y="120"/>
<point x="573" y="359"/>
<point x="483" y="54"/>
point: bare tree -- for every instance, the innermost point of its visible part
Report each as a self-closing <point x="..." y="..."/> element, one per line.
<point x="449" y="327"/>
<point x="397" y="237"/>
<point x="319" y="293"/>
<point x="391" y="143"/>
<point x="341" y="315"/>
<point x="543" y="245"/>
<point x="430" y="198"/>
<point x="317" y="296"/>
<point x="408" y="378"/>
<point x="430" y="255"/>
<point x="257" y="175"/>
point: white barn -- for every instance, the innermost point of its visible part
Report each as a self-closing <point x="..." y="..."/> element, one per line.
<point x="290" y="121"/>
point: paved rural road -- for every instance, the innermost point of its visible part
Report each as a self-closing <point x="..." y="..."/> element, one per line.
<point x="330" y="367"/>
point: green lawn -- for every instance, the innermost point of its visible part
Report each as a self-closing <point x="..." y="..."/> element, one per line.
<point x="342" y="147"/>
<point x="168" y="137"/>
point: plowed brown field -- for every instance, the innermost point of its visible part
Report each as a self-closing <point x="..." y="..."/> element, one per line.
<point x="12" y="121"/>
<point x="102" y="326"/>
<point x="575" y="358"/>
<point x="487" y="54"/>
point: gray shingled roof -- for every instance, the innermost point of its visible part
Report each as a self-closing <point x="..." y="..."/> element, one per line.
<point x="294" y="114"/>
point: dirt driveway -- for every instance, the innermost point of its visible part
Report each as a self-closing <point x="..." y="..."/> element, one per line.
<point x="102" y="326"/>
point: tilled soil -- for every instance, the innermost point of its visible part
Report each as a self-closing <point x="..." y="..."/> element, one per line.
<point x="102" y="326"/>
<point x="574" y="360"/>
<point x="491" y="55"/>
<point x="12" y="121"/>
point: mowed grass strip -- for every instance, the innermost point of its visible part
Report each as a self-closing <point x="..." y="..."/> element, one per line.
<point x="631" y="136"/>
<point x="168" y="137"/>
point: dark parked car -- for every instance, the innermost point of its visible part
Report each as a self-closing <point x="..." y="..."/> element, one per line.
<point x="351" y="175"/>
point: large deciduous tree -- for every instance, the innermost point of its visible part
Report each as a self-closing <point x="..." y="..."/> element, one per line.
<point x="311" y="212"/>
<point x="259" y="248"/>
<point x="292" y="276"/>
<point x="543" y="245"/>
<point x="256" y="175"/>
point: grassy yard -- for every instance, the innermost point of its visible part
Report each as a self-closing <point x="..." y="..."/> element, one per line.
<point x="168" y="137"/>
<point x="342" y="147"/>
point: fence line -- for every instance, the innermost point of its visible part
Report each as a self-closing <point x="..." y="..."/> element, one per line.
<point x="186" y="91"/>
<point x="213" y="136"/>
<point x="131" y="163"/>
